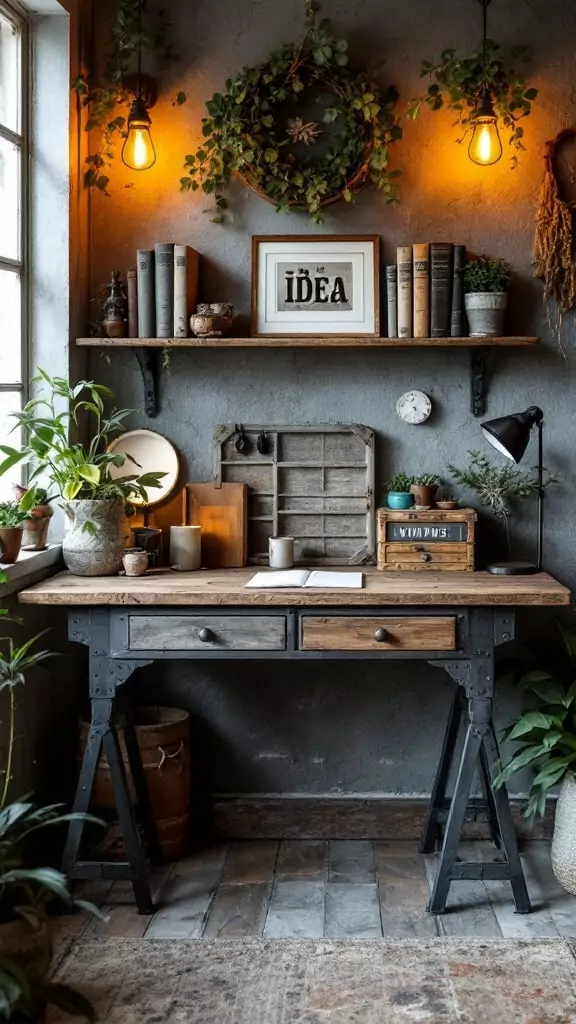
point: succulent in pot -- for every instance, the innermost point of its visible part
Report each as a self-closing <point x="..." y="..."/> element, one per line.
<point x="95" y="499"/>
<point x="398" y="494"/>
<point x="12" y="519"/>
<point x="486" y="283"/>
<point x="424" y="489"/>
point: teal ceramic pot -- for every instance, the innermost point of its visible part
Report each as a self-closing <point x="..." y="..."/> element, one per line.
<point x="399" y="500"/>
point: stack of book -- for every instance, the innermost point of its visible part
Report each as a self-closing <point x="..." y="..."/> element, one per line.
<point x="162" y="291"/>
<point x="425" y="291"/>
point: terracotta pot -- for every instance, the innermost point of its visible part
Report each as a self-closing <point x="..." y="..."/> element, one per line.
<point x="10" y="544"/>
<point x="115" y="328"/>
<point x="36" y="530"/>
<point x="424" y="495"/>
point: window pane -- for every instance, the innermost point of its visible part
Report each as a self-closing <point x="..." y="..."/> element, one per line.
<point x="10" y="49"/>
<point x="9" y="200"/>
<point x="9" y="402"/>
<point x="10" y="328"/>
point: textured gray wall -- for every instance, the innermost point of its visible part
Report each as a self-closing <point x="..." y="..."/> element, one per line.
<point x="346" y="727"/>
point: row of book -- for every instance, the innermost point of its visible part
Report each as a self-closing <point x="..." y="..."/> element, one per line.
<point x="424" y="290"/>
<point x="162" y="291"/>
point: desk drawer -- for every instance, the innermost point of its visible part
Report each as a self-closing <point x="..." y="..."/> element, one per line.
<point x="379" y="633"/>
<point x="207" y="632"/>
<point x="422" y="557"/>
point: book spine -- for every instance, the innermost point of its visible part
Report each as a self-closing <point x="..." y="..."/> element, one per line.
<point x="145" y="285"/>
<point x="441" y="275"/>
<point x="186" y="262"/>
<point x="457" y="318"/>
<point x="392" y="299"/>
<point x="164" y="262"/>
<point x="404" y="261"/>
<point x="421" y="264"/>
<point x="132" y="291"/>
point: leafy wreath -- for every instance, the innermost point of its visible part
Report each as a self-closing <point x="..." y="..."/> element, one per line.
<point x="245" y="135"/>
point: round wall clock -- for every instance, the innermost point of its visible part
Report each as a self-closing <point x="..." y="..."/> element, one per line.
<point x="414" y="407"/>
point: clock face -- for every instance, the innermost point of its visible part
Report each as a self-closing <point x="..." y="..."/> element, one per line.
<point x="414" y="407"/>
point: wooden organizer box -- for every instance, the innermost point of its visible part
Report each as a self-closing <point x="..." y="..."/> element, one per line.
<point x="440" y="541"/>
<point x="313" y="483"/>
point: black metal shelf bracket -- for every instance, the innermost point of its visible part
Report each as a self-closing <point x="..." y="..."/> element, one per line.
<point x="478" y="389"/>
<point x="147" y="359"/>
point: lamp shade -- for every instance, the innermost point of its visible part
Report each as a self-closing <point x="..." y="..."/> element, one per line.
<point x="510" y="434"/>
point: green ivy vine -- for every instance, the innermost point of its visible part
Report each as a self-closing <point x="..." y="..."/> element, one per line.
<point x="458" y="83"/>
<point x="247" y="134"/>
<point x="133" y="28"/>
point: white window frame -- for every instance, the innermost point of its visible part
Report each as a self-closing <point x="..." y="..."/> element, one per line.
<point x="12" y="11"/>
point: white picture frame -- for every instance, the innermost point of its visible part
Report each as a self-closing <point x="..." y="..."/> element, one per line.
<point x="315" y="285"/>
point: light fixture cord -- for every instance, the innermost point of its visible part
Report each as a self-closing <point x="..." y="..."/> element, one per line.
<point x="140" y="6"/>
<point x="484" y="4"/>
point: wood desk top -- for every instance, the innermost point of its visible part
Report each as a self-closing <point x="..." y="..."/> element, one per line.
<point x="226" y="587"/>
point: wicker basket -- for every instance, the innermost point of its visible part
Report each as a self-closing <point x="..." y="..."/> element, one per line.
<point x="564" y="841"/>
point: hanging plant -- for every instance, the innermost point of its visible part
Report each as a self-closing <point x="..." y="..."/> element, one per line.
<point x="132" y="33"/>
<point x="483" y="85"/>
<point x="247" y="133"/>
<point x="553" y="252"/>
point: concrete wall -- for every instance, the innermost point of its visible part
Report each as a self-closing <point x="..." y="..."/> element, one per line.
<point x="351" y="728"/>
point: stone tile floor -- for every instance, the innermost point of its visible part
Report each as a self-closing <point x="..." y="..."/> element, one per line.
<point x="314" y="888"/>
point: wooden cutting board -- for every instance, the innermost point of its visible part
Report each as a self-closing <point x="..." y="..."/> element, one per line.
<point x="222" y="512"/>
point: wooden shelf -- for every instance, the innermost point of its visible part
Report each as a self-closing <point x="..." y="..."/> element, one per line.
<point x="145" y="350"/>
<point x="327" y="341"/>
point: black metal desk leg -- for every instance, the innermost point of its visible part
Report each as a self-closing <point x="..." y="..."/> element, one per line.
<point x="100" y="723"/>
<point x="139" y="779"/>
<point x="437" y="805"/>
<point x="506" y="827"/>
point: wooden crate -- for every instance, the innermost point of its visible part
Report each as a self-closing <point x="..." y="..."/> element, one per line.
<point x="435" y="541"/>
<point x="314" y="483"/>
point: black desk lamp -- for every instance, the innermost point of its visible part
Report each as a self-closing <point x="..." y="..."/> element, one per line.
<point x="510" y="435"/>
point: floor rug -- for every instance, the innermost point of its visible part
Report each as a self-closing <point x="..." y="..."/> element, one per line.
<point x="256" y="981"/>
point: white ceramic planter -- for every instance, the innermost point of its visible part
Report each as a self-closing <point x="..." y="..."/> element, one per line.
<point x="485" y="312"/>
<point x="98" y="554"/>
<point x="564" y="841"/>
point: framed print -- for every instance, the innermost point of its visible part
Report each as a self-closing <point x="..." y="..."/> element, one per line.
<point x="315" y="285"/>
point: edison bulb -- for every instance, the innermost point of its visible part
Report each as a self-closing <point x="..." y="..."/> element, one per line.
<point x="138" y="150"/>
<point x="485" y="146"/>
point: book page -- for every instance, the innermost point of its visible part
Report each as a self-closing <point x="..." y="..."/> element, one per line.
<point x="335" y="580"/>
<point x="285" y="578"/>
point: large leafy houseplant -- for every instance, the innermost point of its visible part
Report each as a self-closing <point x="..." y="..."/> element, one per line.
<point x="248" y="131"/>
<point x="27" y="890"/>
<point x="78" y="471"/>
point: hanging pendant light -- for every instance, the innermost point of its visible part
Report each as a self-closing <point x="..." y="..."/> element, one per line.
<point x="485" y="145"/>
<point x="138" y="151"/>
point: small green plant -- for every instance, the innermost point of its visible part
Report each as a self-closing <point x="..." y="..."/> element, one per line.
<point x="486" y="275"/>
<point x="459" y="83"/>
<point x="426" y="480"/>
<point x="546" y="731"/>
<point x="400" y="483"/>
<point x="12" y="515"/>
<point x="76" y="470"/>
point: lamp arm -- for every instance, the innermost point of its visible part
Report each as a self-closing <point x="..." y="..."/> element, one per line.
<point x="540" y="496"/>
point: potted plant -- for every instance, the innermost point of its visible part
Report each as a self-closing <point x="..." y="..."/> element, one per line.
<point x="26" y="890"/>
<point x="499" y="488"/>
<point x="38" y="519"/>
<point x="95" y="499"/>
<point x="486" y="284"/>
<point x="424" y="489"/>
<point x="546" y="733"/>
<point x="448" y="501"/>
<point x="398" y="494"/>
<point x="12" y="519"/>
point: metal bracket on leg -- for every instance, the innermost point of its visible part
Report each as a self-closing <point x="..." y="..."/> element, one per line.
<point x="149" y="367"/>
<point x="478" y="359"/>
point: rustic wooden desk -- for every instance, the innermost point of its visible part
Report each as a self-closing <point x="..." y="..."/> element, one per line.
<point x="452" y="620"/>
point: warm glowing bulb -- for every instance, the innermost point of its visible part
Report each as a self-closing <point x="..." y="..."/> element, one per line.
<point x="138" y="150"/>
<point x="485" y="146"/>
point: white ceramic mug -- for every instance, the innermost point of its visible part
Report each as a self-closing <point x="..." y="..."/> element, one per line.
<point x="281" y="552"/>
<point x="185" y="548"/>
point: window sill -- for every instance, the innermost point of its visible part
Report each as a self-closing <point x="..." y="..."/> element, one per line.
<point x="31" y="568"/>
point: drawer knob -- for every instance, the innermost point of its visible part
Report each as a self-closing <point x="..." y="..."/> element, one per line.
<point x="426" y="556"/>
<point x="206" y="635"/>
<point x="380" y="635"/>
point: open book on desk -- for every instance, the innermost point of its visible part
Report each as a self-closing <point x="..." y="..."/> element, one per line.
<point x="308" y="578"/>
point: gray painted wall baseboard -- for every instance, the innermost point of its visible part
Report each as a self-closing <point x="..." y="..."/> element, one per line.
<point x="346" y="818"/>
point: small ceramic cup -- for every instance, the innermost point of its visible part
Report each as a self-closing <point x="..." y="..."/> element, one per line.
<point x="281" y="552"/>
<point x="185" y="548"/>
<point x="135" y="561"/>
